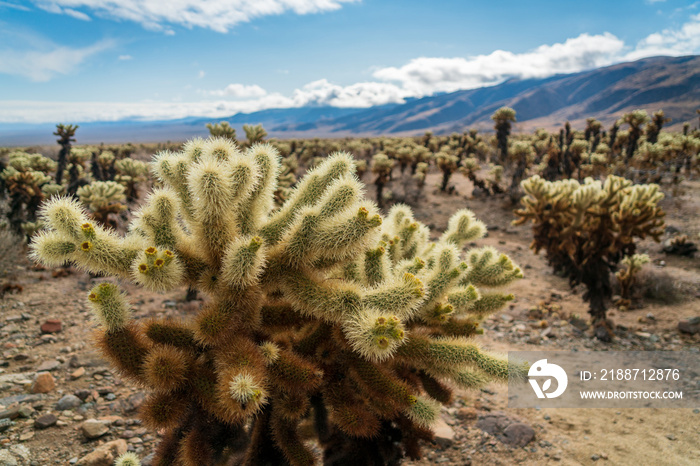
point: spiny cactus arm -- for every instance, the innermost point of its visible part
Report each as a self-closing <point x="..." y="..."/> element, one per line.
<point x="489" y="268"/>
<point x="172" y="332"/>
<point x="462" y="228"/>
<point x="452" y="352"/>
<point x="307" y="193"/>
<point x="489" y="303"/>
<point x="171" y="169"/>
<point x="157" y="270"/>
<point x="374" y="334"/>
<point x="381" y="383"/>
<point x="110" y="307"/>
<point x="374" y="266"/>
<point x="127" y="459"/>
<point x="243" y="262"/>
<point x="254" y="210"/>
<point x="95" y="249"/>
<point x="287" y="439"/>
<point x="402" y="295"/>
<point x="463" y="378"/>
<point x="331" y="230"/>
<point x="218" y="182"/>
<point x="462" y="298"/>
<point x="328" y="300"/>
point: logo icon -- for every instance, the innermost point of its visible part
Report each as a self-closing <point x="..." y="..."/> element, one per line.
<point x="544" y="369"/>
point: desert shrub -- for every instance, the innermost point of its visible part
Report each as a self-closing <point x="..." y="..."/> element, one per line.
<point x="586" y="229"/>
<point x="103" y="198"/>
<point x="321" y="310"/>
<point x="27" y="179"/>
<point x="130" y="173"/>
<point x="627" y="277"/>
<point x="222" y="130"/>
<point x="254" y="134"/>
<point x="381" y="167"/>
<point x="447" y="162"/>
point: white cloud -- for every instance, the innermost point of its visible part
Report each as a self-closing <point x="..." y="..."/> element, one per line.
<point x="43" y="62"/>
<point x="239" y="91"/>
<point x="125" y="57"/>
<point x="366" y="94"/>
<point x="425" y="76"/>
<point x="13" y="6"/>
<point x="201" y="74"/>
<point x="677" y="42"/>
<point x="219" y="15"/>
<point x="57" y="9"/>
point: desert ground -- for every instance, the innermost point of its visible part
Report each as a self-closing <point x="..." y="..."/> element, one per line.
<point x="83" y="413"/>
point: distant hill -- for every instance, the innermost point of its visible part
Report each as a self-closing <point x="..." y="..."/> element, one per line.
<point x="668" y="83"/>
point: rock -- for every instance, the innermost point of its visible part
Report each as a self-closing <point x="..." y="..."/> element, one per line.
<point x="5" y="424"/>
<point x="51" y="326"/>
<point x="595" y="457"/>
<point x="82" y="394"/>
<point x="24" y="436"/>
<point x="466" y="414"/>
<point x="78" y="373"/>
<point x="22" y="398"/>
<point x="508" y="430"/>
<point x="7" y="458"/>
<point x="26" y="411"/>
<point x="518" y="434"/>
<point x="104" y="455"/>
<point x="671" y="437"/>
<point x="92" y="428"/>
<point x="45" y="421"/>
<point x="444" y="435"/>
<point x="68" y="402"/>
<point x="48" y="366"/>
<point x="43" y="383"/>
<point x="690" y="325"/>
<point x="11" y="413"/>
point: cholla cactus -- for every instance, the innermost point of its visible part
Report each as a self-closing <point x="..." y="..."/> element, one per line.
<point x="254" y="134"/>
<point x="76" y="169"/>
<point x="680" y="245"/>
<point x="626" y="277"/>
<point x="420" y="155"/>
<point x="222" y="130"/>
<point x="382" y="167"/>
<point x="28" y="183"/>
<point x="320" y="310"/>
<point x="658" y="119"/>
<point x="635" y="120"/>
<point x="66" y="137"/>
<point x="503" y="117"/>
<point x="586" y="229"/>
<point x="521" y="153"/>
<point x="447" y="162"/>
<point x="130" y="173"/>
<point x="103" y="198"/>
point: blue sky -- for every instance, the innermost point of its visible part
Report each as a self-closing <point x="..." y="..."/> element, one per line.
<point x="84" y="60"/>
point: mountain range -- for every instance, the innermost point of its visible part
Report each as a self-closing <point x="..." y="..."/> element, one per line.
<point x="668" y="83"/>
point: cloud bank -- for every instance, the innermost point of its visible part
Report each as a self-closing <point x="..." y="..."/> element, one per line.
<point x="218" y="15"/>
